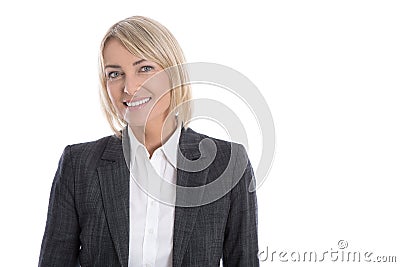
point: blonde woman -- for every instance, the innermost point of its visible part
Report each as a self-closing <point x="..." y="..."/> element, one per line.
<point x="100" y="214"/>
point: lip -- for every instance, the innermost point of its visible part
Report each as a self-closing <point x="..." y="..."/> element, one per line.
<point x="135" y="100"/>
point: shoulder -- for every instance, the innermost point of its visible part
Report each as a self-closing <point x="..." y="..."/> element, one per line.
<point x="223" y="157"/>
<point x="90" y="153"/>
<point x="224" y="147"/>
<point x="93" y="147"/>
<point x="230" y="165"/>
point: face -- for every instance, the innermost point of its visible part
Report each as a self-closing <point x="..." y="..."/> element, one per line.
<point x="137" y="98"/>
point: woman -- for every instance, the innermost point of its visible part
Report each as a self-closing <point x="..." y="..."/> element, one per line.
<point x="104" y="208"/>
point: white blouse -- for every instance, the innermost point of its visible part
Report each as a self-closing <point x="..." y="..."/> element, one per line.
<point x="151" y="221"/>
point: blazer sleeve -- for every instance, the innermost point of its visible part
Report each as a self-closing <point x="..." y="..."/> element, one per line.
<point x="241" y="240"/>
<point x="60" y="244"/>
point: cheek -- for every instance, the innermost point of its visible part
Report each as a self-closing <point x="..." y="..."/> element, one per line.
<point x="115" y="96"/>
<point x="112" y="92"/>
<point x="165" y="100"/>
<point x="159" y="84"/>
<point x="163" y="104"/>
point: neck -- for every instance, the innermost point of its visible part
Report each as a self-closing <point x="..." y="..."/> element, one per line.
<point x="155" y="134"/>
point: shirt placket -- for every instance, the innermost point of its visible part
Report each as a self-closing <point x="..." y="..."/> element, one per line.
<point x="150" y="246"/>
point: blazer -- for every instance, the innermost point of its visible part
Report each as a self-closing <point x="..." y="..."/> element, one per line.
<point x="88" y="214"/>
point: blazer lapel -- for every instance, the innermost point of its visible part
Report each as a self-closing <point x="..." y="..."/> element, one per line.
<point x="185" y="217"/>
<point x="113" y="175"/>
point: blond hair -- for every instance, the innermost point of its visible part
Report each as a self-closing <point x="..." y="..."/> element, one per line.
<point x="148" y="39"/>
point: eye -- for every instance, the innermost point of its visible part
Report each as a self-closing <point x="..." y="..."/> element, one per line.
<point x="146" y="68"/>
<point x="112" y="75"/>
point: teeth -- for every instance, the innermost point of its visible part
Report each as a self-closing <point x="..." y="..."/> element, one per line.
<point x="137" y="103"/>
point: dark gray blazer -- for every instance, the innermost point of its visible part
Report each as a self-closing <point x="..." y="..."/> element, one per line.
<point x="88" y="214"/>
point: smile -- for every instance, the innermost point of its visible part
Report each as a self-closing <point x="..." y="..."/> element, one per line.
<point x="137" y="103"/>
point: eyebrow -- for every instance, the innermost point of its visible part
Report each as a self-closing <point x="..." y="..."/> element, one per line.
<point x="118" y="67"/>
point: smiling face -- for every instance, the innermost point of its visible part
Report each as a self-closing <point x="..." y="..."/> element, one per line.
<point x="134" y="96"/>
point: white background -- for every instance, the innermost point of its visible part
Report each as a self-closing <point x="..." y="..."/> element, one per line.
<point x="329" y="71"/>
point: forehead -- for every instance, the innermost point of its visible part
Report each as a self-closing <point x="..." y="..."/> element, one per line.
<point x="114" y="52"/>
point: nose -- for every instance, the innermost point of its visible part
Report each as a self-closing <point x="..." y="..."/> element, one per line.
<point x="132" y="85"/>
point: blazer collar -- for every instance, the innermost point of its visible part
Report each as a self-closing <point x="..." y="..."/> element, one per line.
<point x="113" y="174"/>
<point x="116" y="149"/>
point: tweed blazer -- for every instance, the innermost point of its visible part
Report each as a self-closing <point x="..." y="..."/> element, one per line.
<point x="88" y="214"/>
